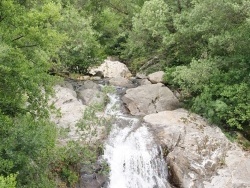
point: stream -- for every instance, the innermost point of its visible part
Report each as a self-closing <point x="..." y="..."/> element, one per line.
<point x="134" y="158"/>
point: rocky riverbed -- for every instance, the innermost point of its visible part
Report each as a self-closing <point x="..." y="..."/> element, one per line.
<point x="198" y="154"/>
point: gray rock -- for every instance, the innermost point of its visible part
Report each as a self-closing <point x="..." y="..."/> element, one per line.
<point x="144" y="82"/>
<point x="119" y="81"/>
<point x="67" y="84"/>
<point x="91" y="96"/>
<point x="141" y="75"/>
<point x="148" y="99"/>
<point x="92" y="181"/>
<point x="89" y="85"/>
<point x="156" y="77"/>
<point x="199" y="155"/>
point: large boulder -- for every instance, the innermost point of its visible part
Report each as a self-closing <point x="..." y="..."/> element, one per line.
<point x="112" y="69"/>
<point x="156" y="77"/>
<point x="199" y="155"/>
<point x="71" y="110"/>
<point x="147" y="99"/>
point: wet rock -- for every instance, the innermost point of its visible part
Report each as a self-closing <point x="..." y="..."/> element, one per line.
<point x="92" y="176"/>
<point x="149" y="99"/>
<point x="112" y="69"/>
<point x="156" y="77"/>
<point x="199" y="155"/>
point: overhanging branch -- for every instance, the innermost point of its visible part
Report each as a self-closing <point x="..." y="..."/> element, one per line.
<point x="28" y="46"/>
<point x="17" y="38"/>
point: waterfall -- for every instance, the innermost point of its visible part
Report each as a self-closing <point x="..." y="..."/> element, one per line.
<point x="134" y="158"/>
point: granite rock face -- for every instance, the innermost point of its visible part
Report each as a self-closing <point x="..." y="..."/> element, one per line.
<point x="198" y="154"/>
<point x="147" y="99"/>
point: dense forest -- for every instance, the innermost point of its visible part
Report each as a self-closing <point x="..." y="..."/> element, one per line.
<point x="203" y="47"/>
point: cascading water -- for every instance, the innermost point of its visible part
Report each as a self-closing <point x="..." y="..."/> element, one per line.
<point x="135" y="160"/>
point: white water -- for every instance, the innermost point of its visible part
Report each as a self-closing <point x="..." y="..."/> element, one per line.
<point x="133" y="157"/>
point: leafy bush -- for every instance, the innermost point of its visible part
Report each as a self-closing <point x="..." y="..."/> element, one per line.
<point x="212" y="45"/>
<point x="26" y="149"/>
<point x="8" y="182"/>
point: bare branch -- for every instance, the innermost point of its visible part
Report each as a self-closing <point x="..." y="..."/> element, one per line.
<point x="17" y="38"/>
<point x="117" y="9"/>
<point x="28" y="46"/>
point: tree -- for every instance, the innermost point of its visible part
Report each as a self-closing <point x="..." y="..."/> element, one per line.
<point x="214" y="37"/>
<point x="81" y="48"/>
<point x="151" y="27"/>
<point x="28" y="41"/>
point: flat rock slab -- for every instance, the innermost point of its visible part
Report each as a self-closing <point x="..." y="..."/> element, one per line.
<point x="199" y="155"/>
<point x="147" y="99"/>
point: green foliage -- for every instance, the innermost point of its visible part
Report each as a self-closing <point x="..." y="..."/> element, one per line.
<point x="112" y="19"/>
<point x="69" y="159"/>
<point x="75" y="155"/>
<point x="217" y="34"/>
<point x="226" y="104"/>
<point x="28" y="41"/>
<point x="8" y="182"/>
<point x="147" y="35"/>
<point x="81" y="48"/>
<point x="192" y="78"/>
<point x="26" y="149"/>
<point x="111" y="33"/>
